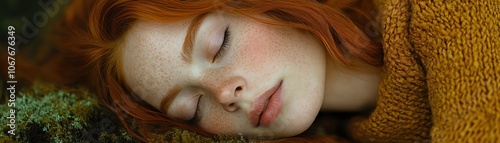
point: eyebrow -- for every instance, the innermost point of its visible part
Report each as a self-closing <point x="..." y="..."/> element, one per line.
<point x="187" y="47"/>
<point x="169" y="98"/>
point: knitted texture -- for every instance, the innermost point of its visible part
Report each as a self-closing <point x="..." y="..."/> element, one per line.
<point x="441" y="80"/>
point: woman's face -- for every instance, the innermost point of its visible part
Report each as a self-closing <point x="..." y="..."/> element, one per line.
<point x="241" y="76"/>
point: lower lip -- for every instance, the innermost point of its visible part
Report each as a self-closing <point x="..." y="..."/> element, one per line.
<point x="273" y="108"/>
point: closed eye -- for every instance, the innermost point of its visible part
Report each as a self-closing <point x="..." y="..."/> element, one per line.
<point x="197" y="115"/>
<point x="223" y="47"/>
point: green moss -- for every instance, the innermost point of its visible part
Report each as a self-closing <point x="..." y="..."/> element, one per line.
<point x="184" y="136"/>
<point x="7" y="139"/>
<point x="51" y="113"/>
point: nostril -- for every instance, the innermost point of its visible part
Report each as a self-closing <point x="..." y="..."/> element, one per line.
<point x="231" y="105"/>
<point x="238" y="88"/>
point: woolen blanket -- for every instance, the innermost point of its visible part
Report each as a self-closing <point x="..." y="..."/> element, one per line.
<point x="441" y="78"/>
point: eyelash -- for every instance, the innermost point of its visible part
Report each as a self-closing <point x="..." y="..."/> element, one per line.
<point x="223" y="47"/>
<point x="196" y="117"/>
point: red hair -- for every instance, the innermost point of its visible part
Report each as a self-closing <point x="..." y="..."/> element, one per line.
<point x="92" y="30"/>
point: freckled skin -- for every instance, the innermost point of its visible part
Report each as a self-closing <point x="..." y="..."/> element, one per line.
<point x="257" y="58"/>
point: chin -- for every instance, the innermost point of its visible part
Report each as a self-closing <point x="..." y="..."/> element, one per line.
<point x="300" y="111"/>
<point x="294" y="123"/>
<point x="284" y="130"/>
<point x="284" y="126"/>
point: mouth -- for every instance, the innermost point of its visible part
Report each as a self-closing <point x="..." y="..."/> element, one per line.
<point x="267" y="107"/>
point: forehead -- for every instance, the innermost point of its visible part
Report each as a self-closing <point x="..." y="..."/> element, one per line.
<point x="152" y="60"/>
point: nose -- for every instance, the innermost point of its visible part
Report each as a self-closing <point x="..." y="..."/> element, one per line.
<point x="228" y="92"/>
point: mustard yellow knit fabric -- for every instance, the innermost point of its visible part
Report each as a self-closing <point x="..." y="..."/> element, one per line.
<point x="441" y="79"/>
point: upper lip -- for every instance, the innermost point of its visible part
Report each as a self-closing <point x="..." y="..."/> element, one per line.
<point x="259" y="105"/>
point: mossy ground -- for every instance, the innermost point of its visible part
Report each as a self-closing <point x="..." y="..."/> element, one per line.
<point x="46" y="113"/>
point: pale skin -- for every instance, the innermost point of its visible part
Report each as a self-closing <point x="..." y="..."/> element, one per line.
<point x="257" y="57"/>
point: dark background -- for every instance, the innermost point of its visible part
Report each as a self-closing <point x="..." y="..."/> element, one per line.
<point x="12" y="14"/>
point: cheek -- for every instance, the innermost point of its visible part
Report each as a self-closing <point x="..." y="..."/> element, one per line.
<point x="256" y="52"/>
<point x="259" y="51"/>
<point x="140" y="75"/>
<point x="218" y="121"/>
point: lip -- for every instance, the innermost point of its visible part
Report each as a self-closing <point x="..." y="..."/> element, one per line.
<point x="259" y="114"/>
